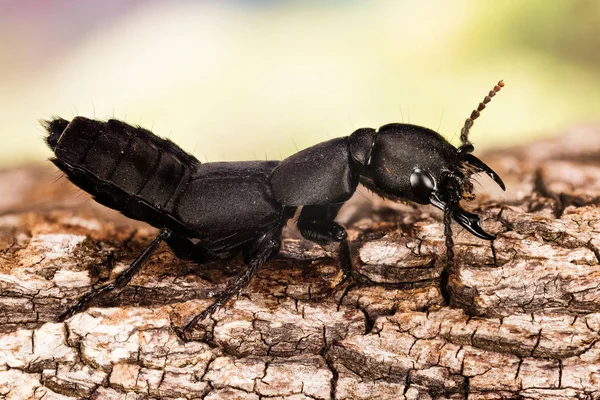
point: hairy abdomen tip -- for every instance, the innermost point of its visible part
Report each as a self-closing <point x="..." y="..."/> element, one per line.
<point x="55" y="127"/>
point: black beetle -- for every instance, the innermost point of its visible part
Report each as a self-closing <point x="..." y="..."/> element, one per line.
<point x="233" y="207"/>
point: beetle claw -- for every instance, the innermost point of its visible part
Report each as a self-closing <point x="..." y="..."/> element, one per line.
<point x="483" y="167"/>
<point x="467" y="220"/>
<point x="471" y="222"/>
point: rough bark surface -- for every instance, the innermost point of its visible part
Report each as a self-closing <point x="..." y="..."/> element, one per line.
<point x="523" y="319"/>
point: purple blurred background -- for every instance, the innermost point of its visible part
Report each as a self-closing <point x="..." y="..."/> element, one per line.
<point x="238" y="79"/>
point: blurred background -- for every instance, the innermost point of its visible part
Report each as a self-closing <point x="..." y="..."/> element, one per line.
<point x="233" y="80"/>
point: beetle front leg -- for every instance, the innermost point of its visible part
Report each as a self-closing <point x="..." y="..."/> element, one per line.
<point x="316" y="224"/>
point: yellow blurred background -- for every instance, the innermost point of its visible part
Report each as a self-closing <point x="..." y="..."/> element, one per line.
<point x="231" y="80"/>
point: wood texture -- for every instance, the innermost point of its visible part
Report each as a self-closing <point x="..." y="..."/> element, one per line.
<point x="523" y="319"/>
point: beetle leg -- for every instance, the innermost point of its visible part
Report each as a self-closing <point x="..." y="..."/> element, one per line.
<point x="448" y="270"/>
<point x="316" y="224"/>
<point x="120" y="281"/>
<point x="324" y="233"/>
<point x="264" y="249"/>
<point x="185" y="249"/>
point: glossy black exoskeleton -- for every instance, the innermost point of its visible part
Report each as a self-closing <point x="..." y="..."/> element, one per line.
<point x="233" y="207"/>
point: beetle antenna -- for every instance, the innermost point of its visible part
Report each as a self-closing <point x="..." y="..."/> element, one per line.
<point x="467" y="147"/>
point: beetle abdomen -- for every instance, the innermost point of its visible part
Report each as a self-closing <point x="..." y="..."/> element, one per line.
<point x="124" y="167"/>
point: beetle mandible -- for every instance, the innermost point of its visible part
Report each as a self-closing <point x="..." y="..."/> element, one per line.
<point x="241" y="207"/>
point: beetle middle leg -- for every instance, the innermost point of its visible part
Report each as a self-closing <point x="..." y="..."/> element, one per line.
<point x="120" y="281"/>
<point x="316" y="224"/>
<point x="263" y="249"/>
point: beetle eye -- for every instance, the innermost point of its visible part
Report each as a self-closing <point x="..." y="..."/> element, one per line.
<point x="422" y="184"/>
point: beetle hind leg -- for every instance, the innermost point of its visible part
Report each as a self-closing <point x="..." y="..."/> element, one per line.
<point x="120" y="281"/>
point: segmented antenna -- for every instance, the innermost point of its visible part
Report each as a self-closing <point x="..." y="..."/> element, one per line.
<point x="467" y="146"/>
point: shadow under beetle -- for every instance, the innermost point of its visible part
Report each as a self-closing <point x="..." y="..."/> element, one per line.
<point x="233" y="207"/>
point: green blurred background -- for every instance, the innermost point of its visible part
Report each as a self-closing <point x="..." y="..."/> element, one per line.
<point x="243" y="79"/>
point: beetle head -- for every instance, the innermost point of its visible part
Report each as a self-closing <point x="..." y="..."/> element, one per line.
<point x="412" y="163"/>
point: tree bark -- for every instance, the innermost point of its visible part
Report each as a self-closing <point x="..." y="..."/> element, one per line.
<point x="523" y="320"/>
